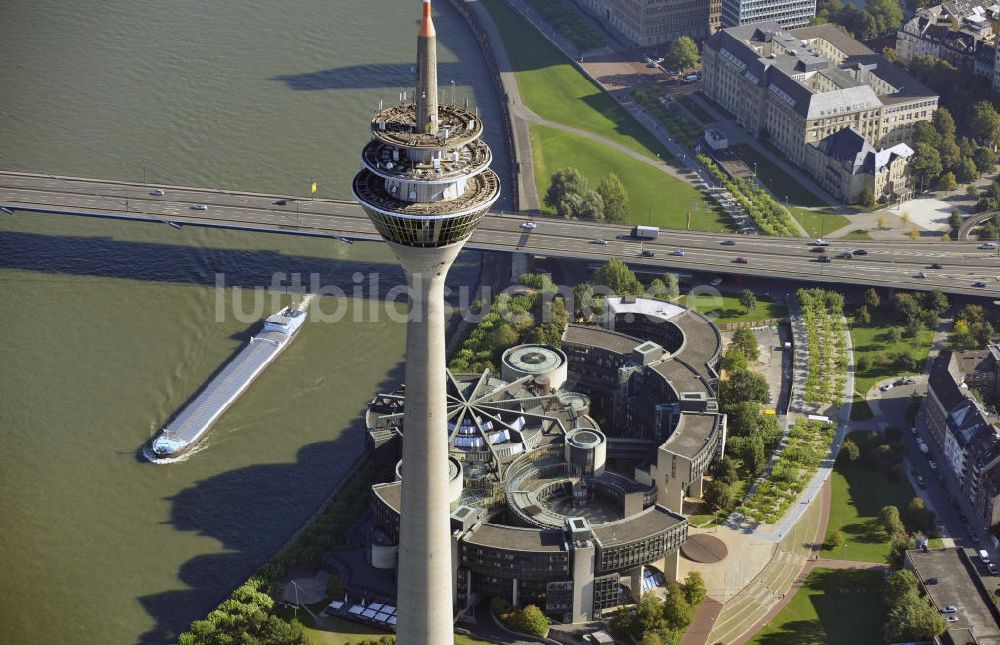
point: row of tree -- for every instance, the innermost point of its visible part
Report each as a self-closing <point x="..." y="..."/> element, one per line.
<point x="661" y="623"/>
<point x="879" y="17"/>
<point x="973" y="330"/>
<point x="942" y="159"/>
<point x="569" y="196"/>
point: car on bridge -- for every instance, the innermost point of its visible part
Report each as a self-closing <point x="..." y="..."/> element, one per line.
<point x="847" y="255"/>
<point x="601" y="242"/>
<point x="280" y="202"/>
<point x="678" y="252"/>
<point x="860" y="252"/>
<point x="979" y="284"/>
<point x="937" y="265"/>
<point x="199" y="207"/>
<point x="742" y="260"/>
<point x="157" y="192"/>
<point x="528" y="226"/>
<point x="825" y="259"/>
<point x="987" y="245"/>
<point x="728" y="242"/>
<point x="648" y="254"/>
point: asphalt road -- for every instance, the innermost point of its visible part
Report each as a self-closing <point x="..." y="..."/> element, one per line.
<point x="887" y="264"/>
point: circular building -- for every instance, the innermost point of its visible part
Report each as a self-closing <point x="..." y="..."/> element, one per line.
<point x="539" y="361"/>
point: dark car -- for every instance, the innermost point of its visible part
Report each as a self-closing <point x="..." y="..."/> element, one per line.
<point x="931" y="581"/>
<point x="281" y="202"/>
<point x="860" y="252"/>
<point x="728" y="242"/>
<point x="980" y="284"/>
<point x="742" y="260"/>
<point x="937" y="265"/>
<point x="648" y="254"/>
<point x="818" y="249"/>
<point x="825" y="259"/>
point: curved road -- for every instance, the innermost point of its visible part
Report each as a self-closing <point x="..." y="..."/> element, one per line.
<point x="887" y="264"/>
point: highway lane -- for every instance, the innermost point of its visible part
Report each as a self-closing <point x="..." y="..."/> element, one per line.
<point x="887" y="263"/>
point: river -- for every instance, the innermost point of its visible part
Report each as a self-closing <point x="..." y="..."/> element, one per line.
<point x="109" y="327"/>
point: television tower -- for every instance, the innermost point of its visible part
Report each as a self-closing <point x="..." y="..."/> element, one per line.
<point x="426" y="185"/>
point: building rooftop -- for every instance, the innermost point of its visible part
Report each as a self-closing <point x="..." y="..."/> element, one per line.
<point x="654" y="519"/>
<point x="645" y="306"/>
<point x="692" y="434"/>
<point x="499" y="536"/>
<point x="596" y="337"/>
<point x="681" y="376"/>
<point x="702" y="341"/>
<point x="956" y="585"/>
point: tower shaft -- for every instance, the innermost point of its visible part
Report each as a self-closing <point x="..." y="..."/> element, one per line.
<point x="424" y="588"/>
<point x="426" y="94"/>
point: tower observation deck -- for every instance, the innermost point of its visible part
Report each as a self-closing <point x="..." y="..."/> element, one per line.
<point x="425" y="184"/>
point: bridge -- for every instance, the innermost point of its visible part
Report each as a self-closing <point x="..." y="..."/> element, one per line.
<point x="887" y="264"/>
<point x="973" y="221"/>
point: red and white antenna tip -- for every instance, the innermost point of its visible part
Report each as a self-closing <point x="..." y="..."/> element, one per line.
<point x="426" y="25"/>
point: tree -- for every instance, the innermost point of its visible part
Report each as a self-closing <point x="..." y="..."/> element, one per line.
<point x="867" y="198"/>
<point x="872" y="301"/>
<point x="863" y="317"/>
<point x="530" y="620"/>
<point x="915" y="234"/>
<point x="966" y="170"/>
<point x="912" y="619"/>
<point x="673" y="285"/>
<point x="565" y="182"/>
<point x="935" y="301"/>
<point x="898" y="587"/>
<point x="947" y="181"/>
<point x="591" y="207"/>
<point x="676" y="609"/>
<point x="649" y="615"/>
<point x="746" y="340"/>
<point x="918" y="516"/>
<point x="657" y="289"/>
<point x="891" y="522"/>
<point x="584" y="303"/>
<point x="955" y="219"/>
<point x="985" y="123"/>
<point x="734" y="360"/>
<point x="694" y="589"/>
<point x="757" y="459"/>
<point x="985" y="161"/>
<point x="612" y="191"/>
<point x="505" y="336"/>
<point x="849" y="451"/>
<point x="725" y="470"/>
<point x="893" y="336"/>
<point x="682" y="54"/>
<point x="926" y="162"/>
<point x="881" y="221"/>
<point x="719" y="495"/>
<point x="650" y="638"/>
<point x="745" y="386"/>
<point x="836" y="540"/>
<point x="616" y="276"/>
<point x="944" y="124"/>
<point x="748" y="300"/>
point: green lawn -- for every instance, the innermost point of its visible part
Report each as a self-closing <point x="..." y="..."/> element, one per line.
<point x="870" y="341"/>
<point x="779" y="182"/>
<point x="553" y="89"/>
<point x="655" y="198"/>
<point x="835" y="606"/>
<point x="856" y="235"/>
<point x="727" y="309"/>
<point x="818" y="223"/>
<point x="336" y="631"/>
<point x="859" y="493"/>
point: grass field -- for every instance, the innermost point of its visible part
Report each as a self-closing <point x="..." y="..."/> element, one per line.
<point x="856" y="235"/>
<point x="870" y="340"/>
<point x="553" y="89"/>
<point x="835" y="606"/>
<point x="655" y="198"/>
<point x="779" y="182"/>
<point x="726" y="309"/>
<point x="818" y="223"/>
<point x="859" y="493"/>
<point x="336" y="631"/>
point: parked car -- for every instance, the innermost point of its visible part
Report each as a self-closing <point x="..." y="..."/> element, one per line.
<point x="691" y="78"/>
<point x="913" y="430"/>
<point x="931" y="581"/>
<point x="992" y="568"/>
<point x="886" y="387"/>
<point x="909" y="380"/>
<point x="157" y="192"/>
<point x="932" y="464"/>
<point x="952" y="619"/>
<point x="950" y="609"/>
<point x="528" y="225"/>
<point x="200" y="207"/>
<point x="921" y="483"/>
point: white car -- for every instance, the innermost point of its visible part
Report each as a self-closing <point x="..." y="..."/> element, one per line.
<point x="200" y="207"/>
<point x="886" y="387"/>
<point x="988" y="245"/>
<point x="679" y="252"/>
<point x="601" y="242"/>
<point x="157" y="192"/>
<point x="528" y="226"/>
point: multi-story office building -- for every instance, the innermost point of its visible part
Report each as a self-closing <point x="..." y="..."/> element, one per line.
<point x="787" y="13"/>
<point x="963" y="429"/>
<point x="798" y="88"/>
<point x="651" y="22"/>
<point x="536" y="515"/>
